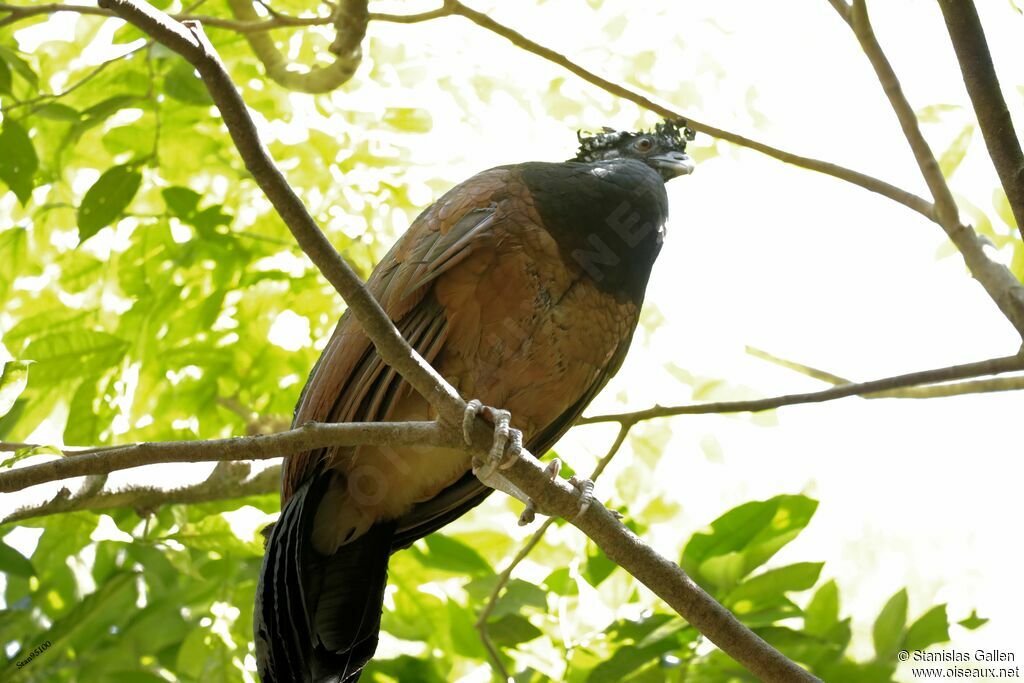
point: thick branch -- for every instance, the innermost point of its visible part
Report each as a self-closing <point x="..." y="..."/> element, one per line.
<point x="968" y="37"/>
<point x="191" y="43"/>
<point x="1001" y="284"/>
<point x="506" y="575"/>
<point x="983" y="368"/>
<point x="310" y="436"/>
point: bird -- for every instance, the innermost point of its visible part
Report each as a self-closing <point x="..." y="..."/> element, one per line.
<point x="522" y="286"/>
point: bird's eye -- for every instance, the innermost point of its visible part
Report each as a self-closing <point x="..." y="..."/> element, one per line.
<point x="643" y="144"/>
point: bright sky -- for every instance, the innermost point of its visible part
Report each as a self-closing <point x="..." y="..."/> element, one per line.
<point x="917" y="493"/>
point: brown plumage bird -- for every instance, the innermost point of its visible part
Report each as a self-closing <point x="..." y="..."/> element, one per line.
<point x="522" y="286"/>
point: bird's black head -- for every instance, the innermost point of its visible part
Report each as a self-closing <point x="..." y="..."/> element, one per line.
<point x="663" y="149"/>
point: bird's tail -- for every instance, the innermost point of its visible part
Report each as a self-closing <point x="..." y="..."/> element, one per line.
<point x="317" y="618"/>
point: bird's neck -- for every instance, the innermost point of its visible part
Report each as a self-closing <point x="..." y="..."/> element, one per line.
<point x="608" y="218"/>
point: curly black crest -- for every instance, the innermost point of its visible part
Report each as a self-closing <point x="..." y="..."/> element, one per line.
<point x="670" y="134"/>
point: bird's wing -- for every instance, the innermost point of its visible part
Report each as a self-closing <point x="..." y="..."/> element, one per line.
<point x="468" y="492"/>
<point x="350" y="382"/>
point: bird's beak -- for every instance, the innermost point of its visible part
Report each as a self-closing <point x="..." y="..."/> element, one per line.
<point x="672" y="164"/>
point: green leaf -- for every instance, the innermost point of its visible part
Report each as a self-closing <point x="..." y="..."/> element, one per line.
<point x="88" y="415"/>
<point x="931" y="628"/>
<point x="182" y="84"/>
<point x="19" y="162"/>
<point x="638" y="643"/>
<point x="598" y="566"/>
<point x="192" y="653"/>
<point x="933" y="113"/>
<point x="954" y="154"/>
<point x="512" y="629"/>
<point x="57" y="112"/>
<point x="887" y="633"/>
<point x="104" y="109"/>
<point x="8" y="421"/>
<point x="1002" y="206"/>
<point x="744" y="538"/>
<point x="29" y="452"/>
<point x="444" y="552"/>
<point x="822" y="612"/>
<point x="73" y="353"/>
<point x="13" y="562"/>
<point x="107" y="199"/>
<point x="20" y="66"/>
<point x="769" y="587"/>
<point x="517" y="597"/>
<point x="135" y="138"/>
<point x="181" y="201"/>
<point x="5" y="77"/>
<point x="973" y="622"/>
<point x="13" y="380"/>
<point x="408" y="120"/>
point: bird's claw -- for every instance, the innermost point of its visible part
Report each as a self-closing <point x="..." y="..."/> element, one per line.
<point x="508" y="441"/>
<point x="586" y="489"/>
<point x="584" y="486"/>
<point x="530" y="511"/>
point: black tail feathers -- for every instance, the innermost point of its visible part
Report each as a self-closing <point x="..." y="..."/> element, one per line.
<point x="317" y="618"/>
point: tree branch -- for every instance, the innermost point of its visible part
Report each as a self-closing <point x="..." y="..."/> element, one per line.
<point x="19" y="12"/>
<point x="1001" y="284"/>
<point x="310" y="436"/>
<point x="968" y="38"/>
<point x="350" y="18"/>
<point x="993" y="366"/>
<point x="505" y="576"/>
<point x="229" y="482"/>
<point x="980" y="386"/>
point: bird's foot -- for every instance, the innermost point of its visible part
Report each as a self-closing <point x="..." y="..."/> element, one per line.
<point x="508" y="441"/>
<point x="584" y="486"/>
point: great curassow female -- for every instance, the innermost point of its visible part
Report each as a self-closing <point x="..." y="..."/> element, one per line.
<point x="522" y="286"/>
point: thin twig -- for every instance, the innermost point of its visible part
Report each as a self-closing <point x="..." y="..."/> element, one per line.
<point x="95" y="71"/>
<point x="885" y="189"/>
<point x="978" y="386"/>
<point x="994" y="366"/>
<point x="822" y="375"/>
<point x="1001" y="284"/>
<point x="968" y="38"/>
<point x="506" y="575"/>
